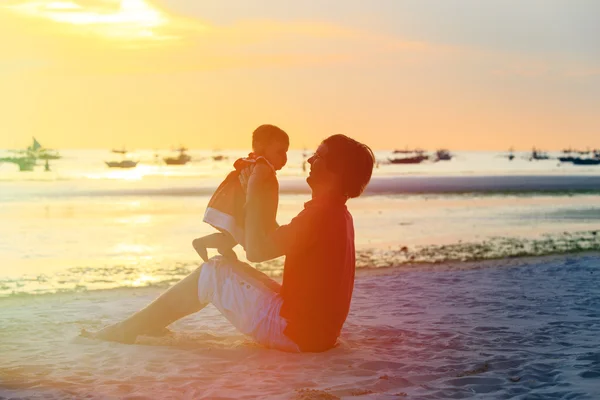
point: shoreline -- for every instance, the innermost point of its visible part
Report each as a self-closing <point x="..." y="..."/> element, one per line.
<point x="363" y="272"/>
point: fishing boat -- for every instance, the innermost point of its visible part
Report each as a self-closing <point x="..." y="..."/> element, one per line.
<point x="122" y="164"/>
<point x="537" y="154"/>
<point x="586" y="161"/>
<point x="443" y="155"/>
<point x="26" y="159"/>
<point x="181" y="159"/>
<point x="417" y="159"/>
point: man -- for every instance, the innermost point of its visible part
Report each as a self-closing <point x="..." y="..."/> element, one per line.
<point x="306" y="312"/>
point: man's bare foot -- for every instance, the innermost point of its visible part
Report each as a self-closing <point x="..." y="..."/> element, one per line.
<point x="116" y="333"/>
<point x="112" y="333"/>
<point x="159" y="332"/>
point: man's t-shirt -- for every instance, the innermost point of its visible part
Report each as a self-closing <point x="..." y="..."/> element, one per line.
<point x="318" y="275"/>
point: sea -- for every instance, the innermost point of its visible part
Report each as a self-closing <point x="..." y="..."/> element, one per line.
<point x="82" y="226"/>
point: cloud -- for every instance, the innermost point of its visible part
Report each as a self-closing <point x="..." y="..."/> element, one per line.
<point x="126" y="36"/>
<point x="124" y="19"/>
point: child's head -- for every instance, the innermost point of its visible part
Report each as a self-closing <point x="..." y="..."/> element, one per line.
<point x="272" y="143"/>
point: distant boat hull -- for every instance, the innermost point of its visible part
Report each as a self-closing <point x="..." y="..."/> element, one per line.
<point x="586" y="161"/>
<point x="566" y="159"/>
<point x="181" y="160"/>
<point x="408" y="160"/>
<point x="24" y="163"/>
<point x="122" y="164"/>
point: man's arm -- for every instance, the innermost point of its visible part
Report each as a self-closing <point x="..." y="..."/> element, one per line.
<point x="260" y="238"/>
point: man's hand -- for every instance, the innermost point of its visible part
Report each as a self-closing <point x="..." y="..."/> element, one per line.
<point x="200" y="248"/>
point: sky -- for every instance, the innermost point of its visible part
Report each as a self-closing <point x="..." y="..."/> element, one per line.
<point x="457" y="74"/>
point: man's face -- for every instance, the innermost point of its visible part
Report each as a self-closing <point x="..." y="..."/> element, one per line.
<point x="319" y="174"/>
<point x="276" y="153"/>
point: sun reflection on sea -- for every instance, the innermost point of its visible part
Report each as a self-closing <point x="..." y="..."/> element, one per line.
<point x="130" y="248"/>
<point x="142" y="280"/>
<point x="136" y="219"/>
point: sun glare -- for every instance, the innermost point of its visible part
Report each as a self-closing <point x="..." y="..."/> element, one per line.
<point x="118" y="19"/>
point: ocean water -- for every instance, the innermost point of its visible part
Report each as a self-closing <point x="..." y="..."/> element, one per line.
<point x="83" y="226"/>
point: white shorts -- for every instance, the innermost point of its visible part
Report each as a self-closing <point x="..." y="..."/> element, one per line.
<point x="248" y="298"/>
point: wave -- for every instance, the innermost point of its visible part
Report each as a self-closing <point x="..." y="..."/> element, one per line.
<point x="81" y="279"/>
<point x="398" y="185"/>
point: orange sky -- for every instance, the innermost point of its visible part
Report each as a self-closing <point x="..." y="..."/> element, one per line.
<point x="107" y="73"/>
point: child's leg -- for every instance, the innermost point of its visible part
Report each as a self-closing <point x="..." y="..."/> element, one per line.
<point x="221" y="241"/>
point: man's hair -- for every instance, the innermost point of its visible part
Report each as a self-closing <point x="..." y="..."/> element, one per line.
<point x="352" y="161"/>
<point x="265" y="134"/>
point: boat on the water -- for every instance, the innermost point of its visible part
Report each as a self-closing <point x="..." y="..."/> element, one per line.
<point x="26" y="159"/>
<point x="443" y="155"/>
<point x="537" y="154"/>
<point x="586" y="161"/>
<point x="419" y="158"/>
<point x="181" y="159"/>
<point x="122" y="164"/>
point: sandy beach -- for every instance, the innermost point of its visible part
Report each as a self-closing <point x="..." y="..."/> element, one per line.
<point x="520" y="328"/>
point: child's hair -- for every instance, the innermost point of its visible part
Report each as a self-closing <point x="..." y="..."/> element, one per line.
<point x="265" y="134"/>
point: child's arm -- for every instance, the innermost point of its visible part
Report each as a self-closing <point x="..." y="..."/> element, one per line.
<point x="221" y="241"/>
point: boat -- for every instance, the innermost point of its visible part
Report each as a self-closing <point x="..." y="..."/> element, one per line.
<point x="26" y="159"/>
<point x="537" y="154"/>
<point x="586" y="161"/>
<point x="419" y="158"/>
<point x="181" y="159"/>
<point x="122" y="164"/>
<point x="443" y="155"/>
<point x="511" y="154"/>
<point x="567" y="159"/>
<point x="219" y="157"/>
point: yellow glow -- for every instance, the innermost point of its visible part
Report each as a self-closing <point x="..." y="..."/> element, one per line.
<point x="136" y="220"/>
<point x="130" y="248"/>
<point x="143" y="280"/>
<point x="124" y="19"/>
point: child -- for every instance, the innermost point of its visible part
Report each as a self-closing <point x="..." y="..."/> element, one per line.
<point x="225" y="209"/>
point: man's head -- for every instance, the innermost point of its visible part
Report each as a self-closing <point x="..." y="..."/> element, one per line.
<point x="342" y="165"/>
<point x="272" y="143"/>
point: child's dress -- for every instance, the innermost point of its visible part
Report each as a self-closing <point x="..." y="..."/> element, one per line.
<point x="226" y="208"/>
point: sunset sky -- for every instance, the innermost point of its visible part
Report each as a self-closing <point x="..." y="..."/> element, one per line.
<point x="462" y="74"/>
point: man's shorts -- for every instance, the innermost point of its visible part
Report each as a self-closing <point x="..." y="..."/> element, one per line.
<point x="248" y="298"/>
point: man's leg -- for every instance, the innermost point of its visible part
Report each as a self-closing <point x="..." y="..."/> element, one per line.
<point x="177" y="302"/>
